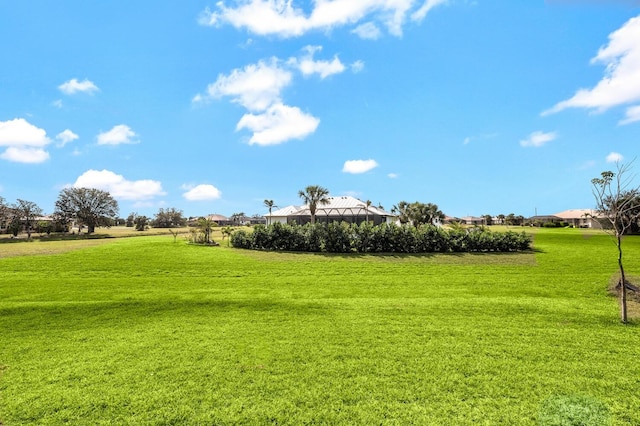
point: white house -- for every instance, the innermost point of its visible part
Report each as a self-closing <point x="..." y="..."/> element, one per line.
<point x="342" y="209"/>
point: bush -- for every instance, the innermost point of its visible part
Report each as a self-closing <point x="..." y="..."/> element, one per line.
<point x="343" y="237"/>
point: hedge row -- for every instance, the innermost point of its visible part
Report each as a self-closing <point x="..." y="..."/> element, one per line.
<point x="386" y="238"/>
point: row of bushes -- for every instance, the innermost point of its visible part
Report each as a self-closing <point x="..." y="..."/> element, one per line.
<point x="386" y="238"/>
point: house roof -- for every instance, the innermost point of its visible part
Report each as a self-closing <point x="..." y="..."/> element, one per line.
<point x="217" y="217"/>
<point x="340" y="206"/>
<point x="576" y="214"/>
<point x="283" y="212"/>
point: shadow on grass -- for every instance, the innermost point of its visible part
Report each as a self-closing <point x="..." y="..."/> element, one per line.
<point x="69" y="315"/>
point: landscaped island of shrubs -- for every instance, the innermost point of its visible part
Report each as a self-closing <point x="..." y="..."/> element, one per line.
<point x="343" y="237"/>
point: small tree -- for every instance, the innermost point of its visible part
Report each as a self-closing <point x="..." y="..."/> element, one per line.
<point x="131" y="220"/>
<point x="205" y="225"/>
<point x="617" y="202"/>
<point x="167" y="218"/>
<point x="238" y="218"/>
<point x="27" y="211"/>
<point x="4" y="212"/>
<point x="141" y="223"/>
<point x="226" y="232"/>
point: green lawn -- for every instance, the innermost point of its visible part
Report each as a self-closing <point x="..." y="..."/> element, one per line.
<point x="148" y="331"/>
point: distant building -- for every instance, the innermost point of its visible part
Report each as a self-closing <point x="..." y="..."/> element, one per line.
<point x="340" y="209"/>
<point x="473" y="220"/>
<point x="220" y="219"/>
<point x="581" y="218"/>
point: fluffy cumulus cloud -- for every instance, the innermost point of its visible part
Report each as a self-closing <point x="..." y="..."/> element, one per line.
<point x="119" y="187"/>
<point x="24" y="142"/>
<point x="283" y="18"/>
<point x="120" y="134"/>
<point x="614" y="157"/>
<point x="538" y="139"/>
<point x="277" y="124"/>
<point x="359" y="166"/>
<point x="65" y="137"/>
<point x="202" y="192"/>
<point x="74" y="86"/>
<point x="255" y="87"/>
<point x="621" y="82"/>
<point x="258" y="88"/>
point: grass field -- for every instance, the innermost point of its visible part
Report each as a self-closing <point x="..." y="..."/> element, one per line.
<point x="148" y="331"/>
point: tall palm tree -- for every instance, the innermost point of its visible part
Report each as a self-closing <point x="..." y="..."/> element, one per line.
<point x="269" y="204"/>
<point x="314" y="195"/>
<point x="368" y="204"/>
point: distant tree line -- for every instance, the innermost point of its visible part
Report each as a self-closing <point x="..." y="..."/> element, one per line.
<point x="81" y="207"/>
<point x="342" y="237"/>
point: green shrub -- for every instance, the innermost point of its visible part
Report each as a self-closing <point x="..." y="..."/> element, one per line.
<point x="342" y="237"/>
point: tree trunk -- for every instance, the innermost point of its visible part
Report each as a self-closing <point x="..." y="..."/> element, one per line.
<point x="91" y="229"/>
<point x="623" y="280"/>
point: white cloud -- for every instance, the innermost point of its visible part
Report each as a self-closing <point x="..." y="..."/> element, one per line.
<point x="367" y="31"/>
<point x="25" y="142"/>
<point x="118" y="186"/>
<point x="74" y="86"/>
<point x="632" y="115"/>
<point x="426" y="7"/>
<point x="258" y="88"/>
<point x="280" y="17"/>
<point x="614" y="157"/>
<point x="120" y="134"/>
<point x="538" y="139"/>
<point x="255" y="87"/>
<point x="19" y="132"/>
<point x="278" y="124"/>
<point x="392" y="175"/>
<point x="308" y="66"/>
<point x="621" y="83"/>
<point x="65" y="137"/>
<point x="20" y="154"/>
<point x="359" y="166"/>
<point x="357" y="66"/>
<point x="202" y="193"/>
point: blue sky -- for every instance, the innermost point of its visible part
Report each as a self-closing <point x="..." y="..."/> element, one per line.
<point x="482" y="107"/>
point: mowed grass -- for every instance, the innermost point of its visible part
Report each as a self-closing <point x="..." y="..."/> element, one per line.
<point x="148" y="331"/>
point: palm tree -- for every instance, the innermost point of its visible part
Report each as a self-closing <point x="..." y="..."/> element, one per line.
<point x="402" y="211"/>
<point x="314" y="195"/>
<point x="368" y="204"/>
<point x="269" y="204"/>
<point x="206" y="226"/>
<point x="237" y="218"/>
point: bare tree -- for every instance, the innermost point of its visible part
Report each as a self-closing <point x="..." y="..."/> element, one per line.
<point x="617" y="202"/>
